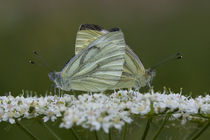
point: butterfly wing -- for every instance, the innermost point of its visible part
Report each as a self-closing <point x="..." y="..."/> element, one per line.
<point x="133" y="69"/>
<point x="133" y="63"/>
<point x="98" y="66"/>
<point x="87" y="33"/>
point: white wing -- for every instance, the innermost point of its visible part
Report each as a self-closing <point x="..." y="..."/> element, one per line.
<point x="84" y="38"/>
<point x="87" y="33"/>
<point x="133" y="68"/>
<point x="98" y="66"/>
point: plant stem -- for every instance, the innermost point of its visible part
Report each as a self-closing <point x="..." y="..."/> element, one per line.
<point x="125" y="131"/>
<point x="192" y="133"/>
<point x="147" y="128"/>
<point x="162" y="126"/>
<point x="49" y="129"/>
<point x="110" y="134"/>
<point x="28" y="132"/>
<point x="96" y="135"/>
<point x="75" y="134"/>
<point x="201" y="131"/>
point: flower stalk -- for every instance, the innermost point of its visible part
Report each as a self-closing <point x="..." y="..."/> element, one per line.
<point x="96" y="135"/>
<point x="27" y="131"/>
<point x="110" y="135"/>
<point x="162" y="126"/>
<point x="201" y="131"/>
<point x="49" y="130"/>
<point x="75" y="134"/>
<point x="125" y="131"/>
<point x="147" y="128"/>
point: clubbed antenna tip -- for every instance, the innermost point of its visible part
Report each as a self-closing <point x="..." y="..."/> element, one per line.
<point x="42" y="61"/>
<point x="180" y="57"/>
<point x="173" y="57"/>
<point x="36" y="53"/>
<point x="31" y="62"/>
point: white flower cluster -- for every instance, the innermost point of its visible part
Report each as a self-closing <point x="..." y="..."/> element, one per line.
<point x="96" y="111"/>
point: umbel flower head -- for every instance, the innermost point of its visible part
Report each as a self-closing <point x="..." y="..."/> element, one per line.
<point x="100" y="111"/>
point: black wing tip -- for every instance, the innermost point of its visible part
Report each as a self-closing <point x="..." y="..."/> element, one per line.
<point x="114" y="29"/>
<point x="90" y="27"/>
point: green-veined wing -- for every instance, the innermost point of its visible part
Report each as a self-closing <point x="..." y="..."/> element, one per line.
<point x="134" y="74"/>
<point x="95" y="68"/>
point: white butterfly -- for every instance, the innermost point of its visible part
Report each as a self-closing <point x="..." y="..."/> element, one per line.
<point x="98" y="66"/>
<point x="134" y="74"/>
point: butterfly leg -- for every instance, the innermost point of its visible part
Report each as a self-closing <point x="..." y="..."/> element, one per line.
<point x="59" y="91"/>
<point x="75" y="93"/>
<point x="149" y="85"/>
<point x="51" y="88"/>
<point x="55" y="88"/>
<point x="136" y="90"/>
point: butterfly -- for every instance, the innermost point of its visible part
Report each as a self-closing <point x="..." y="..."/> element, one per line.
<point x="95" y="68"/>
<point x="134" y="74"/>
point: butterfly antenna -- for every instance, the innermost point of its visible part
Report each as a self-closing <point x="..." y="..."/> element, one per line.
<point x="170" y="58"/>
<point x="38" y="64"/>
<point x="42" y="63"/>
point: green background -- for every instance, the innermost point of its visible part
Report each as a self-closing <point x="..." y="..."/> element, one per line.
<point x="154" y="29"/>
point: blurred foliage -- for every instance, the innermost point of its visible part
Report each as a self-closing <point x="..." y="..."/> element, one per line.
<point x="154" y="30"/>
<point x="173" y="130"/>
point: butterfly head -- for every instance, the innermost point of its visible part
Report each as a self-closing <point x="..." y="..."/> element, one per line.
<point x="149" y="74"/>
<point x="56" y="78"/>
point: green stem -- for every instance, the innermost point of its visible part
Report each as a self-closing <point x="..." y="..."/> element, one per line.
<point x="75" y="134"/>
<point x="96" y="135"/>
<point x="110" y="134"/>
<point x="28" y="132"/>
<point x="201" y="131"/>
<point x="192" y="133"/>
<point x="125" y="131"/>
<point x="162" y="126"/>
<point x="49" y="129"/>
<point x="147" y="128"/>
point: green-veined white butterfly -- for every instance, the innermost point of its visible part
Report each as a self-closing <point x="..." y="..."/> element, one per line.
<point x="134" y="74"/>
<point x="97" y="67"/>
